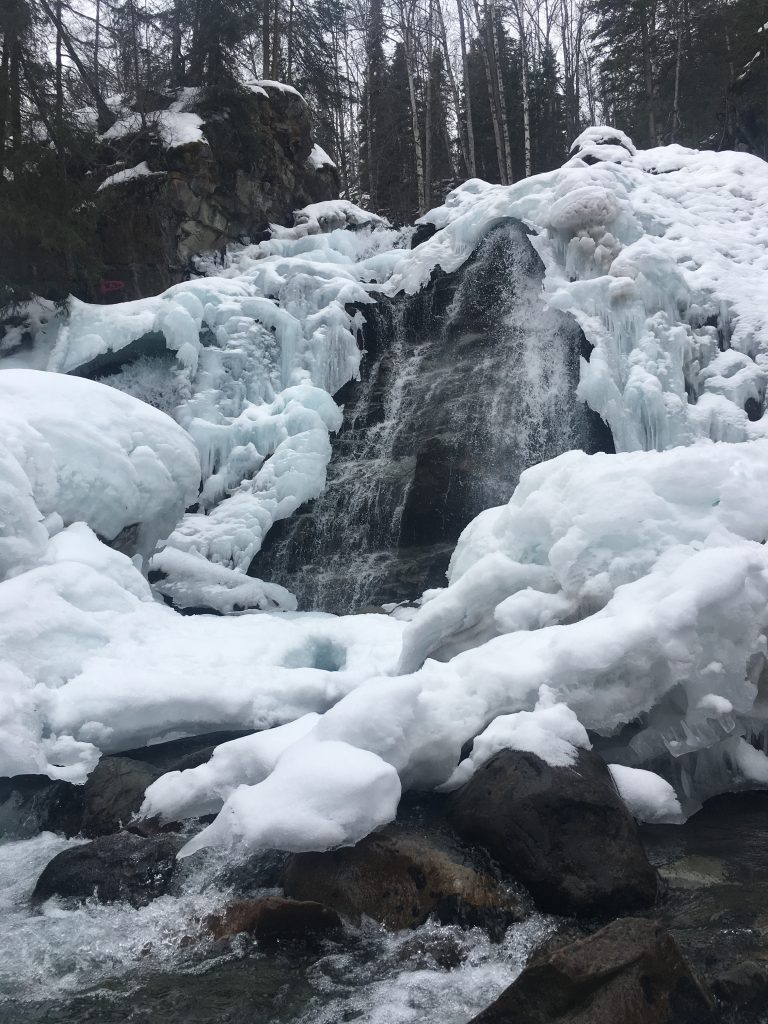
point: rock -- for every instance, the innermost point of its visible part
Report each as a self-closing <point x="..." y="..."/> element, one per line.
<point x="421" y="233"/>
<point x="273" y="919"/>
<point x="563" y="832"/>
<point x="112" y="794"/>
<point x="399" y="877"/>
<point x="25" y="805"/>
<point x="745" y="985"/>
<point x="630" y="972"/>
<point x="119" y="867"/>
<point x="253" y="170"/>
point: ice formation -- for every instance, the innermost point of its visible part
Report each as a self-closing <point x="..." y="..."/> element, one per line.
<point x="624" y="594"/>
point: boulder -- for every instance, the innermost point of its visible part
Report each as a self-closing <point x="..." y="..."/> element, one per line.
<point x="743" y="986"/>
<point x="253" y="168"/>
<point x="630" y="972"/>
<point x="112" y="794"/>
<point x="563" y="832"/>
<point x="399" y="877"/>
<point x="273" y="919"/>
<point x="112" y="868"/>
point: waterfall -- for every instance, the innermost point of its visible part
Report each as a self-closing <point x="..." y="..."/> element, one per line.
<point x="463" y="386"/>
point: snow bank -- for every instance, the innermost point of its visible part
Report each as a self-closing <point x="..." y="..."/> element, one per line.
<point x="92" y="663"/>
<point x="81" y="451"/>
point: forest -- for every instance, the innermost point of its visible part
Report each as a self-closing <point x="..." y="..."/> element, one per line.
<point x="409" y="97"/>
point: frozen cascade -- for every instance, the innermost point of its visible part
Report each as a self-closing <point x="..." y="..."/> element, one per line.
<point x="464" y="385"/>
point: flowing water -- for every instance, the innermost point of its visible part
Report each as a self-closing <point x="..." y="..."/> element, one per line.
<point x="464" y="386"/>
<point x="110" y="964"/>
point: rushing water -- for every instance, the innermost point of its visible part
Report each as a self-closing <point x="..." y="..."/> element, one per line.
<point x="112" y="963"/>
<point x="464" y="386"/>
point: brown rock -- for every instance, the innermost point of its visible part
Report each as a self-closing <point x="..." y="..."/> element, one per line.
<point x="399" y="877"/>
<point x="630" y="972"/>
<point x="274" y="919"/>
<point x="563" y="832"/>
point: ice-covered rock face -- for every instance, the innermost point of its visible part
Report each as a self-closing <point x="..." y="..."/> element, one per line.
<point x="633" y="586"/>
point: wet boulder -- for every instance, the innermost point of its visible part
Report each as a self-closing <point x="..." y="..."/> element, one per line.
<point x="105" y="804"/>
<point x="400" y="877"/>
<point x="274" y="919"/>
<point x="563" y="832"/>
<point x="630" y="972"/>
<point x="121" y="867"/>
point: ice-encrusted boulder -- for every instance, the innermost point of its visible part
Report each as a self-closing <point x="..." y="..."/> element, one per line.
<point x="76" y="451"/>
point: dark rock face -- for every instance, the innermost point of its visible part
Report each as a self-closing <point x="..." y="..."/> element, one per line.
<point x="107" y="802"/>
<point x="716" y="905"/>
<point x="274" y="919"/>
<point x="399" y="877"/>
<point x="113" y="868"/>
<point x="463" y="386"/>
<point x="630" y="972"/>
<point x="563" y="832"/>
<point x="255" y="170"/>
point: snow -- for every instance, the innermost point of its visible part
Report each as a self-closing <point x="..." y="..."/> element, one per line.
<point x="87" y="453"/>
<point x="319" y="158"/>
<point x="129" y="174"/>
<point x="92" y="663"/>
<point x="551" y="731"/>
<point x="177" y="126"/>
<point x="341" y="792"/>
<point x="262" y="85"/>
<point x="624" y="594"/>
<point x="648" y="796"/>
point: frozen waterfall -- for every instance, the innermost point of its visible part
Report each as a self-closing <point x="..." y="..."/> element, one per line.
<point x="464" y="385"/>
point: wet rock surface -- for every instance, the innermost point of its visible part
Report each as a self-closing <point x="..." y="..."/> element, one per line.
<point x="630" y="972"/>
<point x="274" y="919"/>
<point x="119" y="867"/>
<point x="715" y="870"/>
<point x="112" y="794"/>
<point x="399" y="877"/>
<point x="563" y="832"/>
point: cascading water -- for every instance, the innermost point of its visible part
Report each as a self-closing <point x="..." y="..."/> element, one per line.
<point x="464" y="385"/>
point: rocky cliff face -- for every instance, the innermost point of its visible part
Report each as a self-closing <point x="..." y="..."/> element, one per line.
<point x="255" y="164"/>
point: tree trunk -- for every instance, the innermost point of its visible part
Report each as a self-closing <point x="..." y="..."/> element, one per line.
<point x="289" y="45"/>
<point x="454" y="90"/>
<point x="105" y="115"/>
<point x="471" y="162"/>
<point x="648" y="20"/>
<point x="266" y="36"/>
<point x="177" y="67"/>
<point x="96" y="43"/>
<point x="4" y="91"/>
<point x="521" y="27"/>
<point x="486" y="42"/>
<point x="428" y="128"/>
<point x="496" y="35"/>
<point x="59" y="80"/>
<point x="276" y="43"/>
